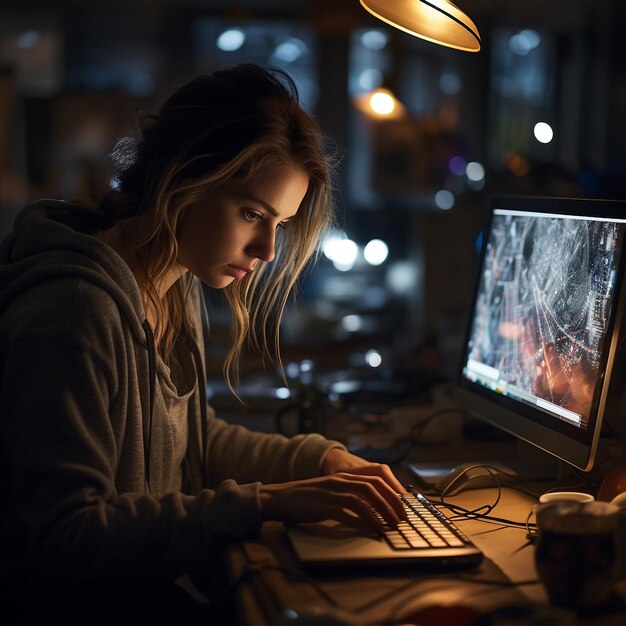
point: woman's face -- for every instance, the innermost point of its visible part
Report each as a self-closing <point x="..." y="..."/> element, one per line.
<point x="225" y="235"/>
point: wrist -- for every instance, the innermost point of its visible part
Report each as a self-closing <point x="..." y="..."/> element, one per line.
<point x="333" y="460"/>
<point x="267" y="498"/>
<point x="264" y="502"/>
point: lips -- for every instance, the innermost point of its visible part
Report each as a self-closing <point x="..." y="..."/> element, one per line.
<point x="239" y="272"/>
<point x="243" y="268"/>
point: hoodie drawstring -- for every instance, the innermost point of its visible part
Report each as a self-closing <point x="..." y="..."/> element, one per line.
<point x="147" y="427"/>
<point x="203" y="410"/>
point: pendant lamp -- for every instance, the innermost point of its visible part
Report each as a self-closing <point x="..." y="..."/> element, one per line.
<point x="438" y="21"/>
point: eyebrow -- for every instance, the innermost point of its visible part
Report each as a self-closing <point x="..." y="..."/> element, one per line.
<point x="268" y="207"/>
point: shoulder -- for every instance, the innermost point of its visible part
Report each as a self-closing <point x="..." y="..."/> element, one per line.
<point x="73" y="309"/>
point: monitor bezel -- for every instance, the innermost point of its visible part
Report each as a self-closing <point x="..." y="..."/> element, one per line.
<point x="567" y="442"/>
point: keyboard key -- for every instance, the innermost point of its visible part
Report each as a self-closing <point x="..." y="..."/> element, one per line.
<point x="426" y="527"/>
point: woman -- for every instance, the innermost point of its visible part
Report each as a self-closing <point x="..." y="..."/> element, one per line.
<point x="113" y="465"/>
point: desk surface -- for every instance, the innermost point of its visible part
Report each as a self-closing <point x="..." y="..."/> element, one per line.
<point x="270" y="580"/>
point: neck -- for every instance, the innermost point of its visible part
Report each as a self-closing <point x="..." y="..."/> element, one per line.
<point x="124" y="238"/>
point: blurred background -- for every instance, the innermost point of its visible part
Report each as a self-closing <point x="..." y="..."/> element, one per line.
<point x="539" y="110"/>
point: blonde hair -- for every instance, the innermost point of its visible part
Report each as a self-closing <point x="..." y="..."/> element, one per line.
<point x="225" y="126"/>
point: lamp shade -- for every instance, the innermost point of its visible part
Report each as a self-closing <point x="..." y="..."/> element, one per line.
<point x="438" y="21"/>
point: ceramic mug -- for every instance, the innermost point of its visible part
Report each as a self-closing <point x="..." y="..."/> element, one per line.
<point x="565" y="496"/>
<point x="578" y="551"/>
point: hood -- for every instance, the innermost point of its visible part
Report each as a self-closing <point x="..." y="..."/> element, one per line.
<point x="52" y="239"/>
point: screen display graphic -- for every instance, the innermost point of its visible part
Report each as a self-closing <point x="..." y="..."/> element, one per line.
<point x="542" y="310"/>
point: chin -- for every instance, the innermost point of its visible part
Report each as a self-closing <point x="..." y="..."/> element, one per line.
<point x="223" y="283"/>
<point x="216" y="282"/>
<point x="220" y="284"/>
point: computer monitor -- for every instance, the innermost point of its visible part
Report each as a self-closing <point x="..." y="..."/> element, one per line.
<point x="547" y="323"/>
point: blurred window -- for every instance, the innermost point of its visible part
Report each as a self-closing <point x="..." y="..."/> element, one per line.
<point x="522" y="95"/>
<point x="33" y="49"/>
<point x="219" y="43"/>
<point x="368" y="67"/>
<point x="370" y="59"/>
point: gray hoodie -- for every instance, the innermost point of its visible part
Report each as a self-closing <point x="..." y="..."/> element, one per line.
<point x="97" y="477"/>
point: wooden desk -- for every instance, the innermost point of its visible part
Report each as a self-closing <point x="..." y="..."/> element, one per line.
<point x="268" y="579"/>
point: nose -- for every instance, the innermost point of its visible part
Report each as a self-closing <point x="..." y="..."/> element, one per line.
<point x="262" y="247"/>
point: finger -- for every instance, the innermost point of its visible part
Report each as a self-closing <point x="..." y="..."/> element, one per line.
<point x="389" y="477"/>
<point x="363" y="510"/>
<point x="382" y="489"/>
<point x="347" y="508"/>
<point x="379" y="469"/>
<point x="361" y="526"/>
<point x="378" y="496"/>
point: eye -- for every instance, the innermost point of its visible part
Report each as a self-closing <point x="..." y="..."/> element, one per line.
<point x="252" y="216"/>
<point x="282" y="225"/>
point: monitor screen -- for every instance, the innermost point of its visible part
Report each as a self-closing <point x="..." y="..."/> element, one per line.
<point x="544" y="325"/>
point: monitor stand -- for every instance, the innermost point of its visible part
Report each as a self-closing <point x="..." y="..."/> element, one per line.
<point x="533" y="464"/>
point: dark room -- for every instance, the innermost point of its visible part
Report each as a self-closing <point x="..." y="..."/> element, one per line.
<point x="313" y="312"/>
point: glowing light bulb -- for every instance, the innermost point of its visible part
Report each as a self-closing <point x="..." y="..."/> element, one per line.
<point x="370" y="79"/>
<point x="352" y="323"/>
<point x="382" y="102"/>
<point x="373" y="358"/>
<point x="375" y="252"/>
<point x="475" y="171"/>
<point x="231" y="40"/>
<point x="543" y="132"/>
<point x="374" y="39"/>
<point x="444" y="199"/>
<point x="340" y="250"/>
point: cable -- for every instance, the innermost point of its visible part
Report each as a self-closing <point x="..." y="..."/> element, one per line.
<point x="512" y="482"/>
<point x="476" y="513"/>
<point x="531" y="533"/>
<point x="415" y="432"/>
<point x="394" y="619"/>
<point x="437" y="576"/>
<point x="462" y="512"/>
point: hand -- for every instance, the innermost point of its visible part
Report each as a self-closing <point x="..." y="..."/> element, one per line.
<point x="339" y="460"/>
<point x="349" y="498"/>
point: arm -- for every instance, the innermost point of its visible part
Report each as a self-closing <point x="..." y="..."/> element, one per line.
<point x="234" y="451"/>
<point x="245" y="455"/>
<point x="68" y="520"/>
<point x="289" y="465"/>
